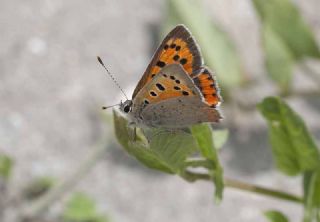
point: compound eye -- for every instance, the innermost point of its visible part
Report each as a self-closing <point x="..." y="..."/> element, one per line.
<point x="126" y="109"/>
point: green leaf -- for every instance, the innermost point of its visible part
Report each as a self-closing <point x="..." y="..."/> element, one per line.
<point x="5" y="166"/>
<point x="82" y="208"/>
<point x="292" y="145"/>
<point x="312" y="195"/>
<point x="38" y="187"/>
<point x="285" y="20"/>
<point x="279" y="60"/>
<point x="139" y="149"/>
<point x="218" y="50"/>
<point x="173" y="147"/>
<point x="276" y="216"/>
<point x="220" y="137"/>
<point x="168" y="151"/>
<point x="203" y="135"/>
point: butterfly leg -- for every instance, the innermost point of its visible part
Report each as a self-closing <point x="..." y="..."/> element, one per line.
<point x="133" y="133"/>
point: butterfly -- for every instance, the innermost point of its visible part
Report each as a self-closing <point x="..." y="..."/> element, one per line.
<point x="176" y="90"/>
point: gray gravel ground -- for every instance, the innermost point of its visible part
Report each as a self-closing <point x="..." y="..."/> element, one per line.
<point x="52" y="88"/>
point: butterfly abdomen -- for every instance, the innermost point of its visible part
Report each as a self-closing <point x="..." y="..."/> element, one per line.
<point x="208" y="87"/>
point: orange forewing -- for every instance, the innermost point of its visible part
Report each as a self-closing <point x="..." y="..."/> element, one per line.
<point x="170" y="55"/>
<point x="178" y="47"/>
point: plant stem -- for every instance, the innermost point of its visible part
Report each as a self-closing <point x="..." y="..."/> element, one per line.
<point x="262" y="190"/>
<point x="232" y="183"/>
<point x="38" y="207"/>
<point x="199" y="163"/>
<point x="192" y="177"/>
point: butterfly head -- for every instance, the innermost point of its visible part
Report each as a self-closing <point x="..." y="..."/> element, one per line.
<point x="126" y="107"/>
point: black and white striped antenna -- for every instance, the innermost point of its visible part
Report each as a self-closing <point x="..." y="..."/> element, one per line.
<point x="113" y="79"/>
<point x="107" y="107"/>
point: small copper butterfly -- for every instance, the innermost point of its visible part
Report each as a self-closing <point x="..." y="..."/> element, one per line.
<point x="176" y="90"/>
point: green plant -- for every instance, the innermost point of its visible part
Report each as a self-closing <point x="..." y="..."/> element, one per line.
<point x="37" y="187"/>
<point x="82" y="208"/>
<point x="294" y="151"/>
<point x="6" y="164"/>
<point x="287" y="41"/>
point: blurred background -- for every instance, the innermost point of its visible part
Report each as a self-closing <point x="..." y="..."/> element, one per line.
<point x="52" y="90"/>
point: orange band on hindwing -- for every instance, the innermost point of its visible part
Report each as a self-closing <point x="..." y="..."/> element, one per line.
<point x="208" y="87"/>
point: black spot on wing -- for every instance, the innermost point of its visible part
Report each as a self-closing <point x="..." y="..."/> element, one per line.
<point x="183" y="61"/>
<point x="160" y="87"/>
<point x="161" y="64"/>
<point x="185" y="93"/>
<point x="152" y="93"/>
<point x="176" y="57"/>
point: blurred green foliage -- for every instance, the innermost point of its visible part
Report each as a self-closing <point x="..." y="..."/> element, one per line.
<point x="287" y="39"/>
<point x="37" y="187"/>
<point x="81" y="208"/>
<point x="283" y="17"/>
<point x="218" y="50"/>
<point x="293" y="148"/>
<point x="294" y="151"/>
<point x="276" y="216"/>
<point x="311" y="185"/>
<point x="6" y="165"/>
<point x="279" y="59"/>
<point x="220" y="137"/>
